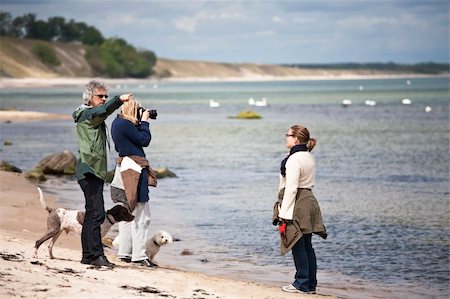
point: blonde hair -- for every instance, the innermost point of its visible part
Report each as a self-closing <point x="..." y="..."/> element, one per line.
<point x="130" y="109"/>
<point x="302" y="134"/>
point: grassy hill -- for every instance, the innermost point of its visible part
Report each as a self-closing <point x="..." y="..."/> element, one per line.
<point x="18" y="61"/>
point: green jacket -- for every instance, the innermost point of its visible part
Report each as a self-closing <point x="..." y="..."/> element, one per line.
<point x="91" y="137"/>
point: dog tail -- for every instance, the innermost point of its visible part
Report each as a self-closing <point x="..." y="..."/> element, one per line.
<point x="41" y="199"/>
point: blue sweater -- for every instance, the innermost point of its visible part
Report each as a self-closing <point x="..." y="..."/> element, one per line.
<point x="129" y="140"/>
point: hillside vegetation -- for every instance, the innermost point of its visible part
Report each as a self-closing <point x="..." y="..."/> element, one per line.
<point x="17" y="60"/>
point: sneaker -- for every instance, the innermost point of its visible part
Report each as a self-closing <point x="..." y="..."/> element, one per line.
<point x="291" y="289"/>
<point x="125" y="259"/>
<point x="102" y="261"/>
<point x="146" y="263"/>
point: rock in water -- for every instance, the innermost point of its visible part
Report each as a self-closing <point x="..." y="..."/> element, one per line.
<point x="59" y="163"/>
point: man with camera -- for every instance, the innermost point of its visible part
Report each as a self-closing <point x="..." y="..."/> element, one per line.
<point x="91" y="165"/>
<point x="131" y="133"/>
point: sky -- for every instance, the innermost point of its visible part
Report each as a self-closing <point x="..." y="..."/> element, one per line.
<point x="266" y="32"/>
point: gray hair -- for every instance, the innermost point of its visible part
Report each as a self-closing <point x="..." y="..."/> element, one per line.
<point x="88" y="92"/>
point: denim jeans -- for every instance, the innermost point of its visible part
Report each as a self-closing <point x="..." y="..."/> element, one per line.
<point x="91" y="240"/>
<point x="305" y="264"/>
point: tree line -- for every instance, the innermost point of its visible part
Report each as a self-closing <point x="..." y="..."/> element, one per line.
<point x="111" y="57"/>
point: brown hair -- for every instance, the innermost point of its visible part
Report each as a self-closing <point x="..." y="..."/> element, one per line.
<point x="302" y="134"/>
<point x="130" y="109"/>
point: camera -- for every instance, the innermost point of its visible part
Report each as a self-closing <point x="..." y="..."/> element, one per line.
<point x="140" y="112"/>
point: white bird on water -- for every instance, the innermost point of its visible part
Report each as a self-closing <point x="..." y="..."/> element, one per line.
<point x="261" y="103"/>
<point x="213" y="104"/>
<point x="428" y="109"/>
<point x="406" y="102"/>
<point x="251" y="101"/>
<point x="346" y="102"/>
<point x="370" y="103"/>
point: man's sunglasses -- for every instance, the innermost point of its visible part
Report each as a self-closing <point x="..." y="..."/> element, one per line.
<point x="101" y="95"/>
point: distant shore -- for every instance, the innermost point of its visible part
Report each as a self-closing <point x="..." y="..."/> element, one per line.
<point x="80" y="81"/>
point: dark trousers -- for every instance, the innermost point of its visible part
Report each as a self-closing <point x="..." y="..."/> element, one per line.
<point x="305" y="264"/>
<point x="91" y="240"/>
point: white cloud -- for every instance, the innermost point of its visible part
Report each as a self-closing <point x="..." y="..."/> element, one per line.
<point x="287" y="31"/>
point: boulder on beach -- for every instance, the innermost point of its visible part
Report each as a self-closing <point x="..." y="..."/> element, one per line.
<point x="5" y="166"/>
<point x="36" y="175"/>
<point x="62" y="163"/>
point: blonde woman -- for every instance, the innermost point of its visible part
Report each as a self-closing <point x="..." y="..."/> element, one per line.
<point x="297" y="211"/>
<point x="130" y="184"/>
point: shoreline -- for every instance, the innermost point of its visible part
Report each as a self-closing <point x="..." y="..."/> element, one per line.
<point x="23" y="221"/>
<point x="31" y="82"/>
<point x="24" y="116"/>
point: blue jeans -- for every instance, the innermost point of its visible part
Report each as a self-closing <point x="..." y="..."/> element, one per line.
<point x="305" y="264"/>
<point x="91" y="240"/>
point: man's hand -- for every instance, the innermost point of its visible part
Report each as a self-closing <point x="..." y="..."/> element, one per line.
<point x="126" y="97"/>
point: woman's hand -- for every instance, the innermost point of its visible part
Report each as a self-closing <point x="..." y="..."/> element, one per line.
<point x="146" y="115"/>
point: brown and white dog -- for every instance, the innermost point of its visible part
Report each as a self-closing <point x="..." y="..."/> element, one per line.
<point x="71" y="220"/>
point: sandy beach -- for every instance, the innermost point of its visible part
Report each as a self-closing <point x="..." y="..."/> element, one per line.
<point x="30" y="116"/>
<point x="23" y="221"/>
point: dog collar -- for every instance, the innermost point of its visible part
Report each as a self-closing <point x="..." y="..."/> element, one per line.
<point x="107" y="217"/>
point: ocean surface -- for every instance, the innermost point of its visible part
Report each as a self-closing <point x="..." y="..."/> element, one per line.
<point x="382" y="176"/>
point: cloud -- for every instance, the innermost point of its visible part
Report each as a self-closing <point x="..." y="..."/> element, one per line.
<point x="266" y="31"/>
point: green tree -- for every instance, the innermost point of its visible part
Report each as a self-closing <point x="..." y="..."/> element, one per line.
<point x="56" y="24"/>
<point x="70" y="32"/>
<point x="91" y="36"/>
<point x="134" y="65"/>
<point x="150" y="56"/>
<point x="5" y="23"/>
<point x="40" y="30"/>
<point x="19" y="27"/>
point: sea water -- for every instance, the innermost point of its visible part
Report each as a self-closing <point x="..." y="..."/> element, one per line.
<point x="382" y="176"/>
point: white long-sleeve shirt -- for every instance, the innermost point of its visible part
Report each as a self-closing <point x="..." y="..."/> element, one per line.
<point x="300" y="173"/>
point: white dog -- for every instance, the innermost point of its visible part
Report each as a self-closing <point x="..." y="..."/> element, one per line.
<point x="153" y="244"/>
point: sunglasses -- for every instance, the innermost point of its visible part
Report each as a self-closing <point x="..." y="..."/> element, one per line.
<point x="289" y="135"/>
<point x="101" y="95"/>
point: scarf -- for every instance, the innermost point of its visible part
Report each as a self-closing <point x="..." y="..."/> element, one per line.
<point x="294" y="149"/>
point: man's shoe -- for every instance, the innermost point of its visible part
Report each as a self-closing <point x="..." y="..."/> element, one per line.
<point x="102" y="261"/>
<point x="85" y="261"/>
<point x="125" y="259"/>
<point x="291" y="289"/>
<point x="146" y="263"/>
